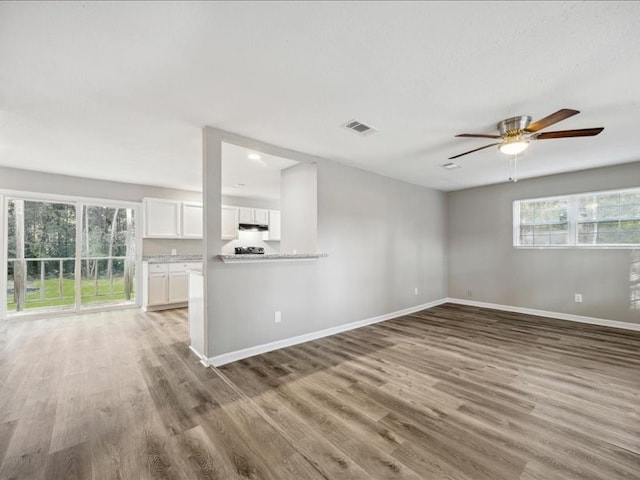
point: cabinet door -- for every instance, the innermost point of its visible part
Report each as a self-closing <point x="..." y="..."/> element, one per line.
<point x="161" y="218"/>
<point x="229" y="223"/>
<point x="246" y="215"/>
<point x="274" y="225"/>
<point x="157" y="289"/>
<point x="178" y="287"/>
<point x="261" y="216"/>
<point x="191" y="220"/>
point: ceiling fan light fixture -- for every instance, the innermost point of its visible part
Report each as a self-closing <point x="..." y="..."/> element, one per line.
<point x="514" y="146"/>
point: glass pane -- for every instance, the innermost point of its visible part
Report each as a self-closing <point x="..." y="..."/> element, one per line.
<point x="607" y="237"/>
<point x="587" y="238"/>
<point x="527" y="213"/>
<point x="608" y="213"/>
<point x="108" y="255"/>
<point x="526" y="240"/>
<point x="608" y="200"/>
<point x="629" y="211"/>
<point x="41" y="255"/>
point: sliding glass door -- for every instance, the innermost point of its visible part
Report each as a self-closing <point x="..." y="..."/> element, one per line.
<point x="68" y="256"/>
<point x="41" y="250"/>
<point x="108" y="255"/>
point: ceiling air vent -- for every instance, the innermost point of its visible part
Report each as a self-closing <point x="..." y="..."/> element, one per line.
<point x="359" y="127"/>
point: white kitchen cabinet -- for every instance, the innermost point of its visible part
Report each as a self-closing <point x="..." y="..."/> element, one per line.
<point x="253" y="215"/>
<point x="178" y="287"/>
<point x="166" y="285"/>
<point x="274" y="225"/>
<point x="261" y="216"/>
<point x="230" y="220"/>
<point x="245" y="215"/>
<point x="161" y="218"/>
<point x="155" y="284"/>
<point x="172" y="219"/>
<point x="157" y="289"/>
<point x="192" y="220"/>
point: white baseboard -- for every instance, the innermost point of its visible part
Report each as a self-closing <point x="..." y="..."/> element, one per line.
<point x="225" y="358"/>
<point x="203" y="359"/>
<point x="544" y="313"/>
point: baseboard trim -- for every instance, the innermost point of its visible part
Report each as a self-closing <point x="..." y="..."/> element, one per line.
<point x="544" y="313"/>
<point x="203" y="359"/>
<point x="236" y="355"/>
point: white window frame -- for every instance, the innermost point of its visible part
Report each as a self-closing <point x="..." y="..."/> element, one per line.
<point x="79" y="202"/>
<point x="572" y="220"/>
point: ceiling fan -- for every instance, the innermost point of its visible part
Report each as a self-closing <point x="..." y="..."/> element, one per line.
<point x="517" y="132"/>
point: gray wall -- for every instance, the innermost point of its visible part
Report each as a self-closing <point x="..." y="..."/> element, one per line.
<point x="299" y="207"/>
<point x="41" y="182"/>
<point x="484" y="266"/>
<point x="384" y="238"/>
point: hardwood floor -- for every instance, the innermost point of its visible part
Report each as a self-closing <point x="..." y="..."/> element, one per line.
<point x="456" y="393"/>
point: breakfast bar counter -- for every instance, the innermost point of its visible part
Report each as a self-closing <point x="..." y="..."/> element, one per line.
<point x="270" y="257"/>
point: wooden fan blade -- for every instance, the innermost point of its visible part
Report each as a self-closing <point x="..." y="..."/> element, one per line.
<point x="471" y="151"/>
<point x="584" y="132"/>
<point x="551" y="119"/>
<point x="478" y="135"/>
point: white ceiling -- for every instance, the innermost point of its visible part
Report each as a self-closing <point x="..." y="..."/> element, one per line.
<point x="251" y="178"/>
<point x="121" y="90"/>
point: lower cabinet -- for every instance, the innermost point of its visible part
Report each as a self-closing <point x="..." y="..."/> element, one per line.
<point x="165" y="285"/>
<point x="178" y="283"/>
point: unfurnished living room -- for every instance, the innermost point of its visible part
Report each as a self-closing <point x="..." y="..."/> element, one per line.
<point x="319" y="240"/>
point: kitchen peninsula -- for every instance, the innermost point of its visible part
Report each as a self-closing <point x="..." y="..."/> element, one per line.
<point x="270" y="257"/>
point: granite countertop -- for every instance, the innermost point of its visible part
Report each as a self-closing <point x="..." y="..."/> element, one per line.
<point x="270" y="257"/>
<point x="172" y="258"/>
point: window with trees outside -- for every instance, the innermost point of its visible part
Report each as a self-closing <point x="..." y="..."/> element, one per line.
<point x="68" y="255"/>
<point x="602" y="219"/>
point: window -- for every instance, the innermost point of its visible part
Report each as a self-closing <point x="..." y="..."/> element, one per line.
<point x="66" y="255"/>
<point x="605" y="219"/>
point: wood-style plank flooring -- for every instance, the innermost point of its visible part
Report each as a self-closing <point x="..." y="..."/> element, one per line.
<point x="455" y="393"/>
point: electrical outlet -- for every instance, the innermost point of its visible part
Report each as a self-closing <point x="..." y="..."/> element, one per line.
<point x="415" y="291"/>
<point x="578" y="297"/>
<point x="174" y="251"/>
<point x="277" y="317"/>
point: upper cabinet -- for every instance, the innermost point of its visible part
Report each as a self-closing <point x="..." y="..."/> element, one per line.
<point x="274" y="225"/>
<point x="254" y="216"/>
<point x="230" y="220"/>
<point x="191" y="220"/>
<point x="161" y="218"/>
<point x="172" y="219"/>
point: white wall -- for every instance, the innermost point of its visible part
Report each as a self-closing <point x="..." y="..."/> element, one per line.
<point x="484" y="266"/>
<point x="268" y="204"/>
<point x="384" y="238"/>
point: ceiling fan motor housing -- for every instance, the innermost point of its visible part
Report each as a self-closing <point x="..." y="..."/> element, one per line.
<point x="513" y="125"/>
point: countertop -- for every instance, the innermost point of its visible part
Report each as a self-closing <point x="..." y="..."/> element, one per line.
<point x="172" y="258"/>
<point x="270" y="257"/>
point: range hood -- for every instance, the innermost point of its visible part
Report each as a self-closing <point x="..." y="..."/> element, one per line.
<point x="253" y="227"/>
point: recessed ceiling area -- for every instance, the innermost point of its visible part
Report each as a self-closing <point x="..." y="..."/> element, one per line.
<point x="121" y="90"/>
<point x="248" y="173"/>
